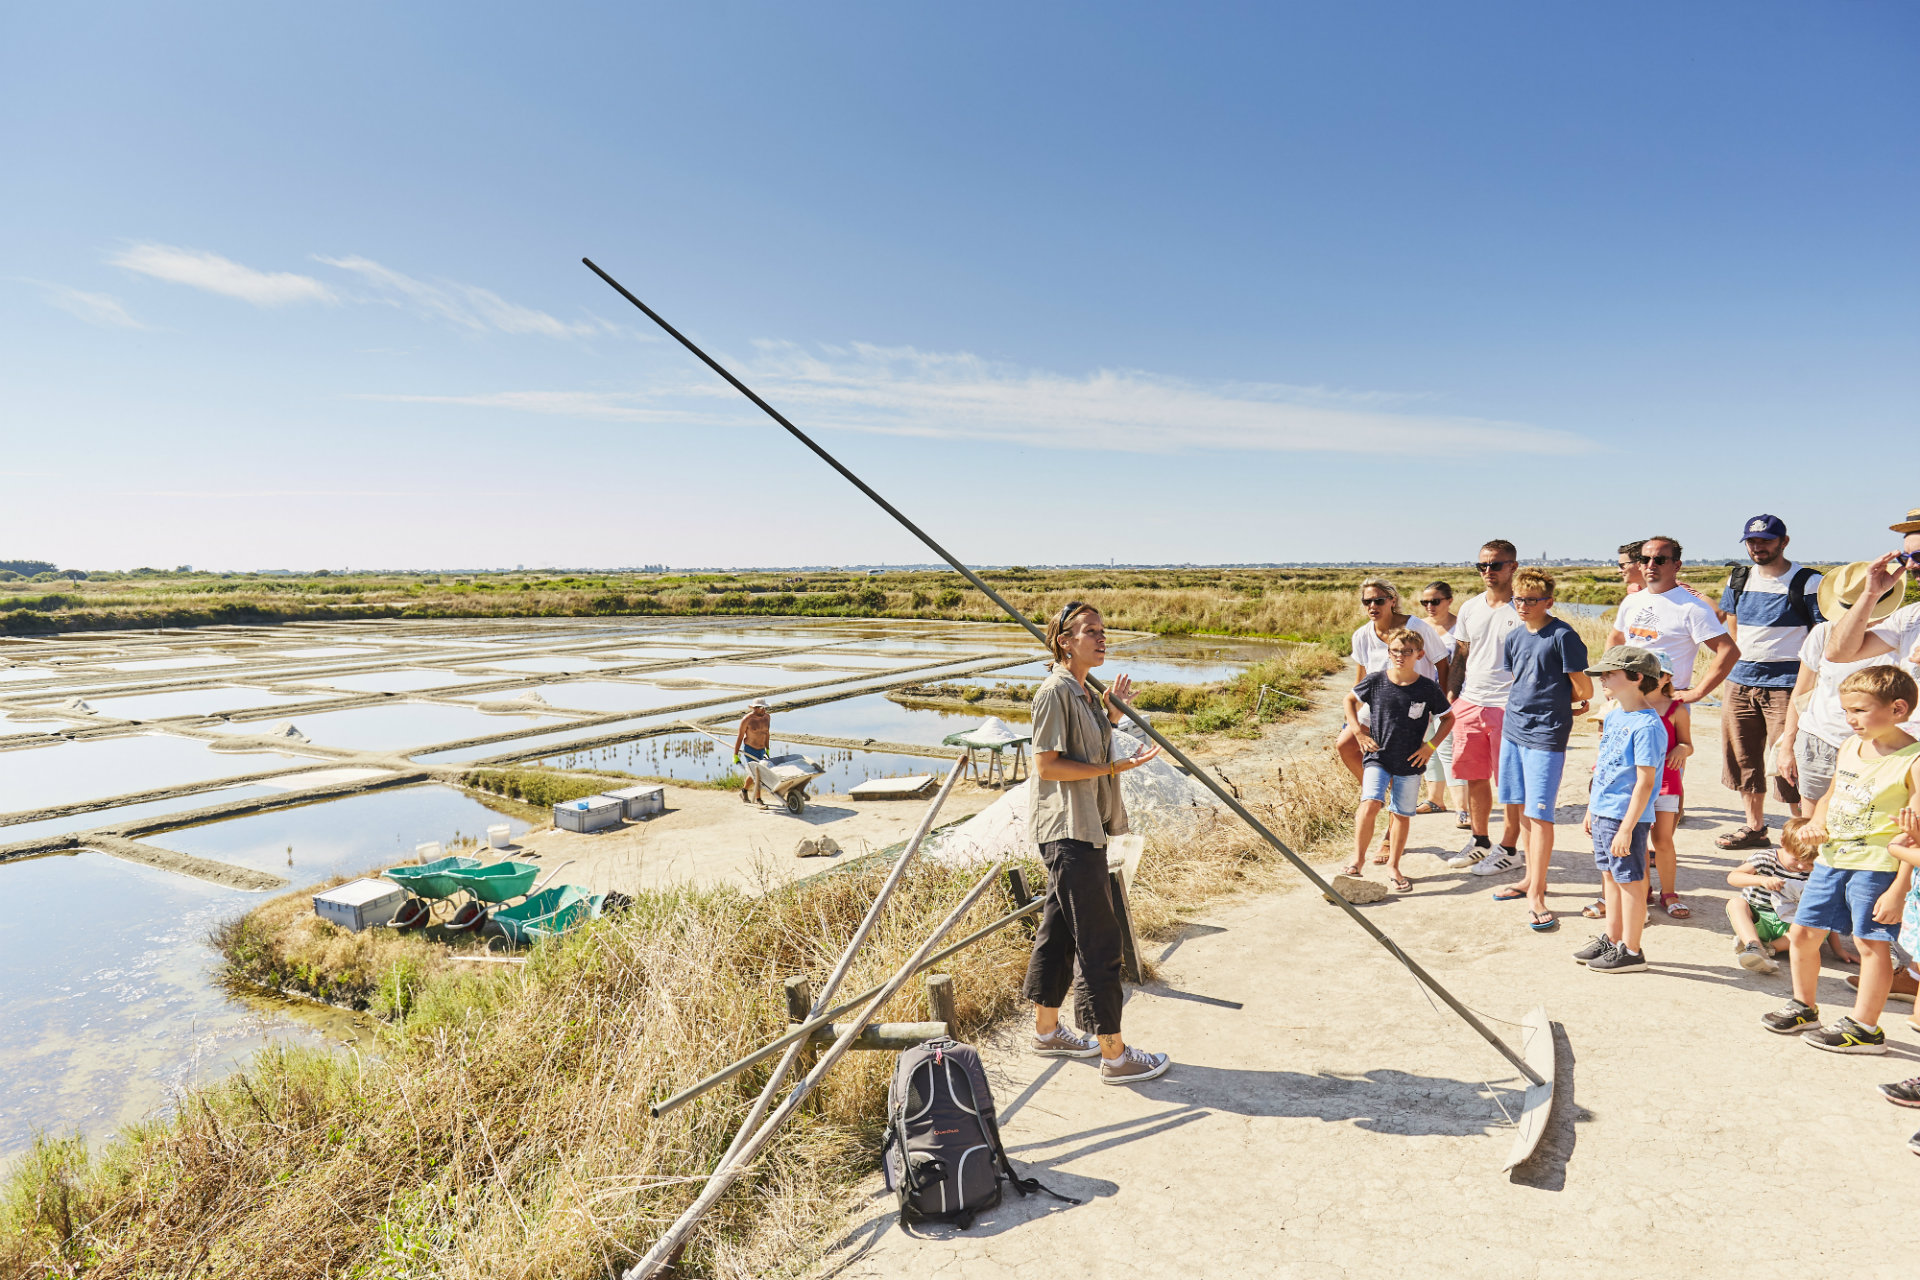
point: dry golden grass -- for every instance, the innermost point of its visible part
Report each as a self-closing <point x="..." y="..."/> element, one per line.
<point x="503" y="1130"/>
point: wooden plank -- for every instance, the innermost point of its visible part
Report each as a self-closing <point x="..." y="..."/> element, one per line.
<point x="1537" y="1107"/>
<point x="892" y="788"/>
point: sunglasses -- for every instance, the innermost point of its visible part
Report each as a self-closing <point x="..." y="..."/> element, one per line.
<point x="1658" y="559"/>
<point x="1490" y="566"/>
<point x="1071" y="607"/>
<point x="1373" y="602"/>
<point x="1435" y="604"/>
<point x="1530" y="601"/>
<point x="1910" y="559"/>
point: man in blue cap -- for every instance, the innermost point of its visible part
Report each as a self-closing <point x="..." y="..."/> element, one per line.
<point x="1770" y="606"/>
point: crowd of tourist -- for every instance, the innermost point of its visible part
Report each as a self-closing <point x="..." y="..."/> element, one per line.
<point x="1466" y="708"/>
<point x="1818" y="702"/>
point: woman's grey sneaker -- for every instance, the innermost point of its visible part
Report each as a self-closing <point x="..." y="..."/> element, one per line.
<point x="1133" y="1066"/>
<point x="1793" y="1019"/>
<point x="1599" y="946"/>
<point x="1498" y="859"/>
<point x="1847" y="1036"/>
<point x="1470" y="852"/>
<point x="1618" y="960"/>
<point x="1752" y="957"/>
<point x="1904" y="1094"/>
<point x="1062" y="1043"/>
<point x="1913" y="1144"/>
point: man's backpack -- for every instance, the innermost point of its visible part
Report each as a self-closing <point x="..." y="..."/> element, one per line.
<point x="1796" y="592"/>
<point x="942" y="1153"/>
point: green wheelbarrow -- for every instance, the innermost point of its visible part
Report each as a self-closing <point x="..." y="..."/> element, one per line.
<point x="494" y="884"/>
<point x="431" y="882"/>
<point x="548" y="914"/>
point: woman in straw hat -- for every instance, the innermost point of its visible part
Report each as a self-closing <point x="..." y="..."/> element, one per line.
<point x="1815" y="725"/>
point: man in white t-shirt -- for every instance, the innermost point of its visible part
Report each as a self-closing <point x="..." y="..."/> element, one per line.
<point x="1480" y="632"/>
<point x="1668" y="618"/>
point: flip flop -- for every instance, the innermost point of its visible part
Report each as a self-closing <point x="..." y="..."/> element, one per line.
<point x="1512" y="893"/>
<point x="1401" y="884"/>
<point x="1594" y="911"/>
<point x="1465" y="823"/>
<point x="1542" y="922"/>
<point x="1671" y="904"/>
<point x="1379" y="859"/>
<point x="1353" y="869"/>
<point x="1428" y="806"/>
<point x="1744" y="838"/>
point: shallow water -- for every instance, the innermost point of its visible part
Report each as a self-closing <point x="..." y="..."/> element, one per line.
<point x="398" y="727"/>
<point x="193" y="702"/>
<point x="404" y="680"/>
<point x="36" y="777"/>
<point x="95" y="818"/>
<point x="693" y="758"/>
<point x="109" y="994"/>
<point x="172" y="664"/>
<point x="599" y="696"/>
<point x="314" y="842"/>
<point x="876" y="716"/>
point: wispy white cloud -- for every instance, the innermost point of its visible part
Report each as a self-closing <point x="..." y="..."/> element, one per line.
<point x="199" y="269"/>
<point x="464" y="305"/>
<point x="263" y="493"/>
<point x="904" y="392"/>
<point x="102" y="309"/>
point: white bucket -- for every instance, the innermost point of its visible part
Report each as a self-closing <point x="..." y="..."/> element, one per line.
<point x="497" y="836"/>
<point x="430" y="852"/>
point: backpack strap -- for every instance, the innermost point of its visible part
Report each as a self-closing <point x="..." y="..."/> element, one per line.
<point x="1797" y="596"/>
<point x="1737" y="584"/>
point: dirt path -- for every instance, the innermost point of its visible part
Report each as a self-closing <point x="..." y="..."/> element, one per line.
<point x="1323" y="1119"/>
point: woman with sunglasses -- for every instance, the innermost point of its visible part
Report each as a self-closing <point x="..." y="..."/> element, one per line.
<point x="1436" y="602"/>
<point x="1076" y="807"/>
<point x="1381" y="601"/>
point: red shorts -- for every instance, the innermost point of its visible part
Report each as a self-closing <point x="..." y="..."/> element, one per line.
<point x="1476" y="742"/>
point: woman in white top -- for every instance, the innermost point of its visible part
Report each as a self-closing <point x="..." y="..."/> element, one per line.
<point x="1381" y="600"/>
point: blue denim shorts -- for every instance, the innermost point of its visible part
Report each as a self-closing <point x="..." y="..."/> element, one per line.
<point x="1400" y="792"/>
<point x="1623" y="870"/>
<point x="1842" y="902"/>
<point x="1530" y="778"/>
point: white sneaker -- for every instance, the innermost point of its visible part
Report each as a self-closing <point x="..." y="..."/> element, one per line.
<point x="1470" y="853"/>
<point x="1496" y="861"/>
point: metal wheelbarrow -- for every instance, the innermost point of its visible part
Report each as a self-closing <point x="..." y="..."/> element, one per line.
<point x="787" y="777"/>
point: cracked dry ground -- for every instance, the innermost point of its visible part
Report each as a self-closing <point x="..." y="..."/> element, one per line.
<point x="1323" y="1119"/>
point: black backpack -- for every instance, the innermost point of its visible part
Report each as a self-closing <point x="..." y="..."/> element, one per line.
<point x="1796" y="592"/>
<point x="942" y="1153"/>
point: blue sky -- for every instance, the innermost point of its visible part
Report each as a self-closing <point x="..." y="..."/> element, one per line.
<point x="301" y="288"/>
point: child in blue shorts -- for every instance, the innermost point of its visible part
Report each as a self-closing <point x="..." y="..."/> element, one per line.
<point x="1633" y="747"/>
<point x="1549" y="665"/>
<point x="1853" y="888"/>
<point x="1400" y="703"/>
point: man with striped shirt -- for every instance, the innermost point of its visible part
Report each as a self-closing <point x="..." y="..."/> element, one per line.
<point x="1770" y="607"/>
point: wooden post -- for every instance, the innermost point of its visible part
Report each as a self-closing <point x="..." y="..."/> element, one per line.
<point x="1021" y="895"/>
<point x="799" y="1006"/>
<point x="1129" y="946"/>
<point x="940" y="999"/>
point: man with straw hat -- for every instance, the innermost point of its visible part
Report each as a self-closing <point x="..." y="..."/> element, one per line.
<point x="1816" y="725"/>
<point x="1855" y="635"/>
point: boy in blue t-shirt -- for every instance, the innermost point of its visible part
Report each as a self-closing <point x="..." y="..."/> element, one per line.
<point x="1548" y="661"/>
<point x="1633" y="747"/>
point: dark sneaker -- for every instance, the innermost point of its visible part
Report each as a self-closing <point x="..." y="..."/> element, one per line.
<point x="1062" y="1043"/>
<point x="1134" y="1066"/>
<point x="1904" y="1094"/>
<point x="1618" y="960"/>
<point x="1599" y="946"/>
<point x="1913" y="1144"/>
<point x="1792" y="1020"/>
<point x="1847" y="1036"/>
<point x="1756" y="960"/>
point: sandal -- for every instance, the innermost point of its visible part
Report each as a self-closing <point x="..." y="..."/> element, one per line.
<point x="1354" y="869"/>
<point x="1542" y="922"/>
<point x="1671" y="904"/>
<point x="1428" y="806"/>
<point x="1465" y="823"/>
<point x="1595" y="910"/>
<point x="1744" y="838"/>
<point x="1400" y="884"/>
<point x="1512" y="893"/>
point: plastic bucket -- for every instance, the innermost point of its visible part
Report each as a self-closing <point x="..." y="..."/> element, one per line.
<point x="497" y="836"/>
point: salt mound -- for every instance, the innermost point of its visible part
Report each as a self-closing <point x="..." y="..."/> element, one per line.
<point x="1159" y="798"/>
<point x="992" y="732"/>
<point x="533" y="695"/>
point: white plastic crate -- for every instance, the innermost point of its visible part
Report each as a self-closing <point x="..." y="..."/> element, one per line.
<point x="359" y="904"/>
<point x="595" y="813"/>
<point x="641" y="801"/>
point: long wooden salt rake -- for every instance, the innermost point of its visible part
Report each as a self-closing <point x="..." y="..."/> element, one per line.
<point x="1538" y="1073"/>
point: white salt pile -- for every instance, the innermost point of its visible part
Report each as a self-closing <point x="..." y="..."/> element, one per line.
<point x="1159" y="798"/>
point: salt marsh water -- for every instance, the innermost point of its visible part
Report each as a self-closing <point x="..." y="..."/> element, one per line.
<point x="37" y="777"/>
<point x="691" y="757"/>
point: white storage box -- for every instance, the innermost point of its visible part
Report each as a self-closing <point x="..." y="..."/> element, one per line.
<point x="359" y="904"/>
<point x="499" y="836"/>
<point x="639" y="802"/>
<point x="595" y="813"/>
<point x="429" y="852"/>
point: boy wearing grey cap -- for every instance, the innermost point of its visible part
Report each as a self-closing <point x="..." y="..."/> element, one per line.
<point x="1633" y="746"/>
